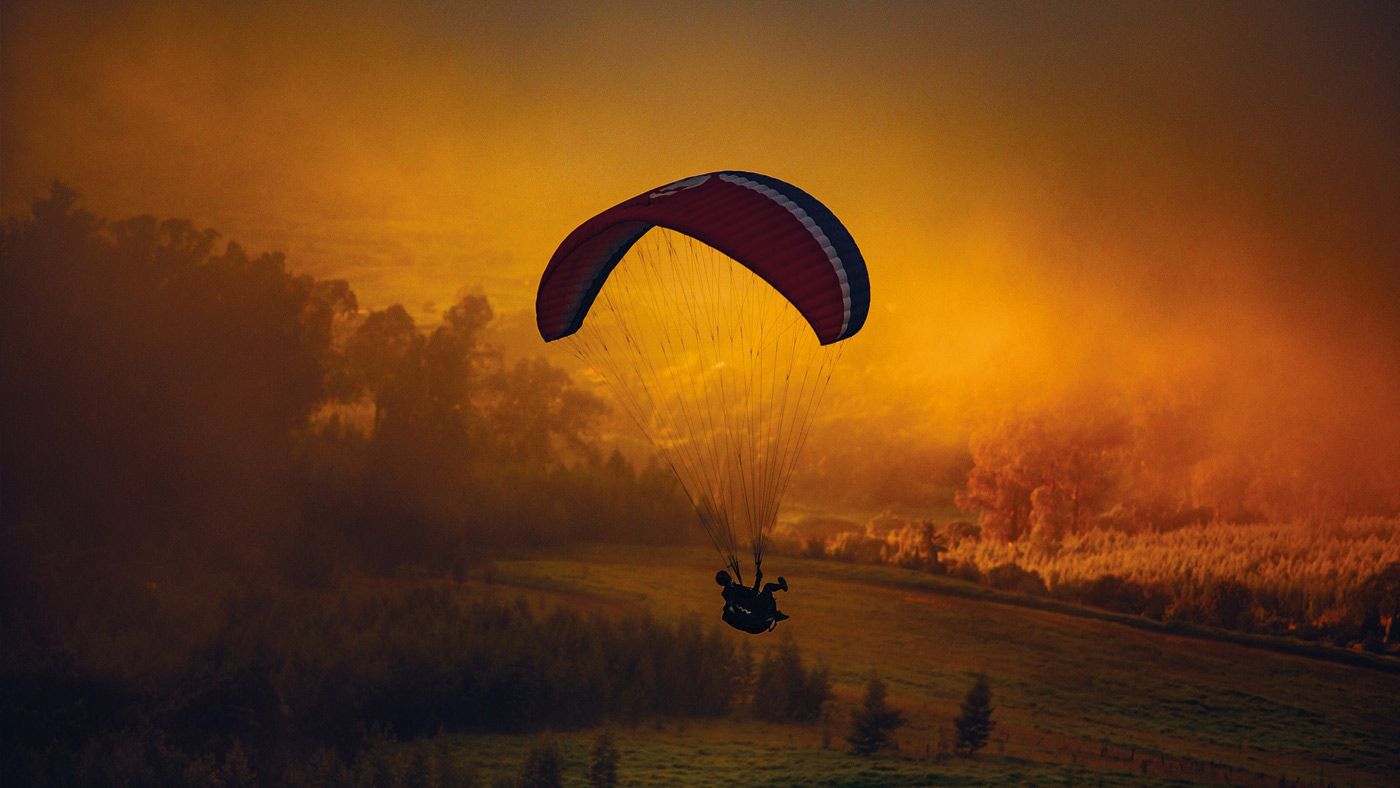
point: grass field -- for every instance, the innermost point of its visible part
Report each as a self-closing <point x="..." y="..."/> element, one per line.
<point x="1078" y="699"/>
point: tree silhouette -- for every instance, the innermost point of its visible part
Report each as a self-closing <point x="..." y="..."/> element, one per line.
<point x="535" y="411"/>
<point x="375" y="355"/>
<point x="1380" y="603"/>
<point x="787" y="690"/>
<point x="151" y="384"/>
<point x="874" y="722"/>
<point x="455" y="353"/>
<point x="602" y="766"/>
<point x="974" y="725"/>
<point x="543" y="766"/>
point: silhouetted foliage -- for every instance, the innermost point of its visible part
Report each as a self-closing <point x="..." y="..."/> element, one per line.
<point x="787" y="690"/>
<point x="974" y="724"/>
<point x="743" y="678"/>
<point x="150" y="388"/>
<point x="1380" y="595"/>
<point x="468" y="450"/>
<point x="376" y="354"/>
<point x="290" y="673"/>
<point x="1227" y="602"/>
<point x="603" y="762"/>
<point x="1011" y="577"/>
<point x="874" y="723"/>
<point x="543" y="767"/>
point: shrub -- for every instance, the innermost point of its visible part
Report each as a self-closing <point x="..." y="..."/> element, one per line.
<point x="1010" y="577"/>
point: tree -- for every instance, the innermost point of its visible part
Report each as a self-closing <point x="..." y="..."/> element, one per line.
<point x="150" y="387"/>
<point x="1045" y="473"/>
<point x="874" y="722"/>
<point x="534" y="409"/>
<point x="1170" y="437"/>
<point x="237" y="773"/>
<point x="376" y="354"/>
<point x="974" y="725"/>
<point x="602" y="766"/>
<point x="997" y="485"/>
<point x="786" y="690"/>
<point x="455" y="353"/>
<point x="1380" y="596"/>
<point x="543" y="766"/>
<point x="743" y="673"/>
<point x="1228" y="603"/>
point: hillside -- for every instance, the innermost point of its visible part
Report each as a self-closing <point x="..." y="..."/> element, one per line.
<point x="1077" y="698"/>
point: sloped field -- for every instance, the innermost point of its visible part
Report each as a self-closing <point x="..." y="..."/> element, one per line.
<point x="1077" y="698"/>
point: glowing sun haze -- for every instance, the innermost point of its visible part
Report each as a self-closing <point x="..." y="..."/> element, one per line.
<point x="1198" y="198"/>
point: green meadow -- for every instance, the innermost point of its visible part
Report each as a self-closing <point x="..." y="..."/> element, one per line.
<point x="1078" y="698"/>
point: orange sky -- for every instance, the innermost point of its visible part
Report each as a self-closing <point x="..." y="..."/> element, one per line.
<point x="1193" y="196"/>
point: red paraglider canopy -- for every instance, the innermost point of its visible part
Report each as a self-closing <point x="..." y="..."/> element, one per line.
<point x="773" y="228"/>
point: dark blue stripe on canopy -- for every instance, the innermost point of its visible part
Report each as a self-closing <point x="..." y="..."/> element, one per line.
<point x="851" y="259"/>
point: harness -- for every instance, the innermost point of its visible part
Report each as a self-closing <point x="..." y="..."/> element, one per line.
<point x="745" y="620"/>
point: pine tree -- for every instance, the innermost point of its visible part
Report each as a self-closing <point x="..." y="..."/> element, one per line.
<point x="974" y="725"/>
<point x="602" y="768"/>
<point x="872" y="724"/>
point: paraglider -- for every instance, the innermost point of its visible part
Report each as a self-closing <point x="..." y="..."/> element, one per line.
<point x="751" y="610"/>
<point x="715" y="308"/>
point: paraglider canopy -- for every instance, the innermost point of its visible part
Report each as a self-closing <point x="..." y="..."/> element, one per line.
<point x="775" y="229"/>
<point x="717" y="333"/>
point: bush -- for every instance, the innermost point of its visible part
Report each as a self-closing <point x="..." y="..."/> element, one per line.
<point x="966" y="571"/>
<point x="1011" y="577"/>
<point x="1229" y="604"/>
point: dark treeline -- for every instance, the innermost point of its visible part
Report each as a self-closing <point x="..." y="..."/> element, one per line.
<point x="179" y="420"/>
<point x="298" y="679"/>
